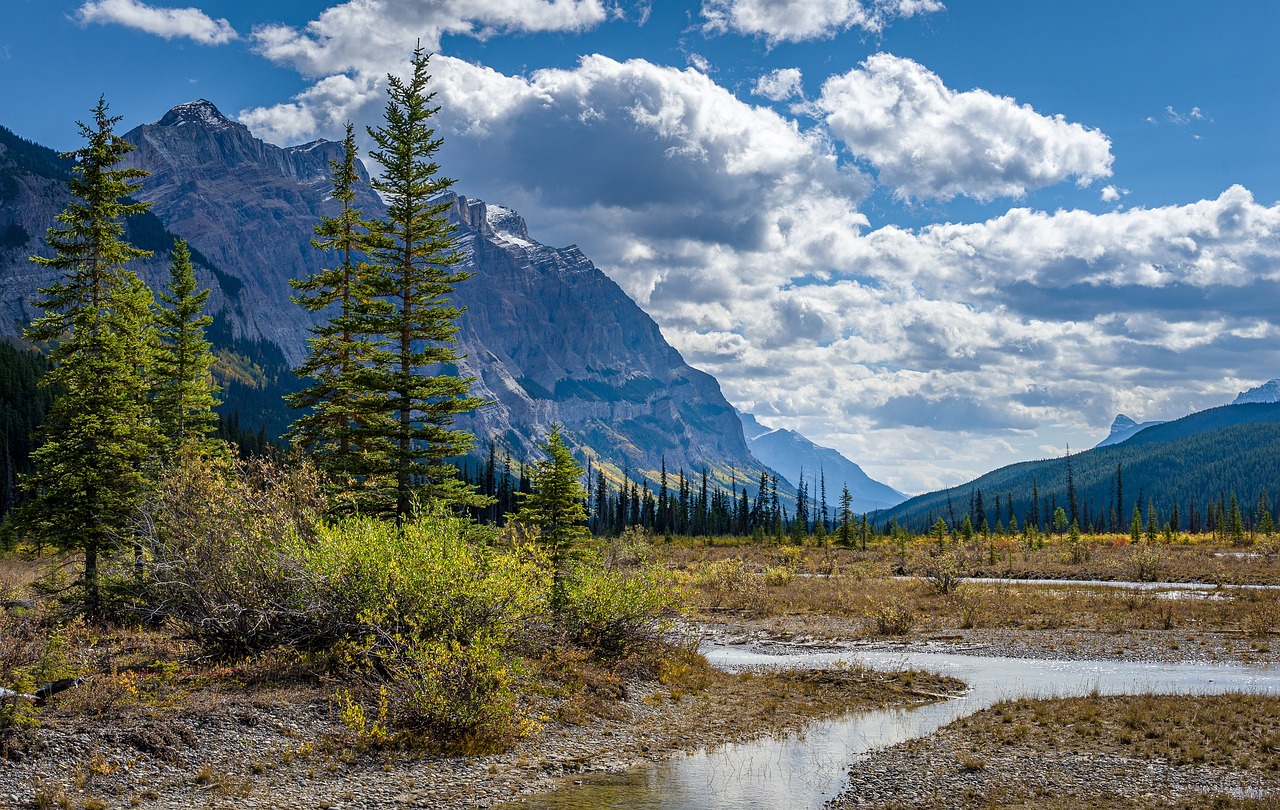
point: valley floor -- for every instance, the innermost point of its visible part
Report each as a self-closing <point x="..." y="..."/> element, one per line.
<point x="227" y="746"/>
<point x="221" y="737"/>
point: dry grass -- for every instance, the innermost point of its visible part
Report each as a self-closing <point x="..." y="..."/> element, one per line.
<point x="1096" y="752"/>
<point x="1239" y="732"/>
<point x="857" y="587"/>
<point x="1109" y="557"/>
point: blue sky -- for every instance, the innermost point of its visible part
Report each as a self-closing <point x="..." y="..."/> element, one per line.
<point x="938" y="236"/>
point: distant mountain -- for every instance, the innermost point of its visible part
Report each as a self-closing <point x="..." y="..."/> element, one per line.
<point x="33" y="192"/>
<point x="247" y="206"/>
<point x="1122" y="428"/>
<point x="1210" y="455"/>
<point x="791" y="454"/>
<point x="548" y="336"/>
<point x="551" y="338"/>
<point x="1269" y="391"/>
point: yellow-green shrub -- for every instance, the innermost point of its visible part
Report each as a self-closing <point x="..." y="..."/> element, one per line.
<point x="619" y="612"/>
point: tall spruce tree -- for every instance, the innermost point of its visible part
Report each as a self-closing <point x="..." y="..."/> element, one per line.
<point x="845" y="532"/>
<point x="556" y="506"/>
<point x="90" y="473"/>
<point x="345" y="428"/>
<point x="185" y="394"/>
<point x="411" y="270"/>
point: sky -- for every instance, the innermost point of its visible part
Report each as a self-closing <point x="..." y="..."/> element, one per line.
<point x="940" y="237"/>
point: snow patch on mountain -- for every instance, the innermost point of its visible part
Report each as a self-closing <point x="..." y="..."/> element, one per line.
<point x="1269" y="391"/>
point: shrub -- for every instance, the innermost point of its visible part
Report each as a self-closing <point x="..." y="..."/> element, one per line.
<point x="725" y="583"/>
<point x="942" y="573"/>
<point x="426" y="620"/>
<point x="615" y="613"/>
<point x="893" y="618"/>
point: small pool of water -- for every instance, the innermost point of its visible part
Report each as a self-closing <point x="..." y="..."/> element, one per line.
<point x="804" y="771"/>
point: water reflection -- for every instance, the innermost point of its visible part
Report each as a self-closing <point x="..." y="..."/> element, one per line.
<point x="804" y="771"/>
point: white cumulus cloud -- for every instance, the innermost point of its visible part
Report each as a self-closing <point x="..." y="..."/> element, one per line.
<point x="779" y="85"/>
<point x="799" y="20"/>
<point x="189" y="23"/>
<point x="931" y="142"/>
<point x="374" y="35"/>
<point x="928" y="355"/>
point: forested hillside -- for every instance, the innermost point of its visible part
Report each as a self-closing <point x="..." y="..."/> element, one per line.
<point x="1195" y="464"/>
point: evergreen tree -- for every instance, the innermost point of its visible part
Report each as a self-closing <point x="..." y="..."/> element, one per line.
<point x="845" y="532"/>
<point x="185" y="395"/>
<point x="342" y="426"/>
<point x="555" y="508"/>
<point x="1235" y="521"/>
<point x="90" y="473"/>
<point x="1033" y="517"/>
<point x="1073" y="504"/>
<point x="411" y="273"/>
<point x="1262" y="515"/>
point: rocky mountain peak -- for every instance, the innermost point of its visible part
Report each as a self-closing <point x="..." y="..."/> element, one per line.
<point x="470" y="214"/>
<point x="1122" y="423"/>
<point x="1123" y="427"/>
<point x="489" y="221"/>
<point x="200" y="112"/>
<point x="1269" y="391"/>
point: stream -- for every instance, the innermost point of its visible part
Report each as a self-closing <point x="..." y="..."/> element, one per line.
<point x="804" y="771"/>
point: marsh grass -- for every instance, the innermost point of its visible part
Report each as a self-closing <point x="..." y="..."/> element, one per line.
<point x="1239" y="732"/>
<point x="863" y="591"/>
<point x="1143" y="751"/>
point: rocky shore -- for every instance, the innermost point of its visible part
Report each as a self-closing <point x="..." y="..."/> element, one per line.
<point x="232" y="746"/>
<point x="1098" y="752"/>
<point x="1149" y="646"/>
<point x="285" y="748"/>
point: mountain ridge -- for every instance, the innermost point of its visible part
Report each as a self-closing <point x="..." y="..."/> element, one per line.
<point x="547" y="335"/>
<point x="1230" y="449"/>
<point x="795" y="456"/>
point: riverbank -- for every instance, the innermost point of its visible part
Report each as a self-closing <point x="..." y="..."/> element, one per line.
<point x="220" y="745"/>
<point x="1144" y="646"/>
<point x="1098" y="752"/>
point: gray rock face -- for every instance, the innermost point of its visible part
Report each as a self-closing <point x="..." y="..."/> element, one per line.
<point x="551" y="338"/>
<point x="33" y="192"/>
<point x="1269" y="391"/>
<point x="246" y="205"/>
<point x="1122" y="428"/>
<point x="794" y="455"/>
<point x="548" y="336"/>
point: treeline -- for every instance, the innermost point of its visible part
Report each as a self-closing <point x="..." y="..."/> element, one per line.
<point x="679" y="505"/>
<point x="23" y="407"/>
<point x="1185" y="473"/>
<point x="1226" y="517"/>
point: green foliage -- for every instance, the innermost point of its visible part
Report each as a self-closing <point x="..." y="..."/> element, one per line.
<point x="425" y="622"/>
<point x="556" y="509"/>
<point x="410" y="271"/>
<point x="341" y="425"/>
<point x="619" y="613"/>
<point x="185" y="395"/>
<point x="90" y="472"/>
<point x="844" y="532"/>
<point x="1059" y="520"/>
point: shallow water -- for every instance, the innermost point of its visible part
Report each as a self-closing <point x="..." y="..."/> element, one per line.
<point x="1122" y="584"/>
<point x="804" y="771"/>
